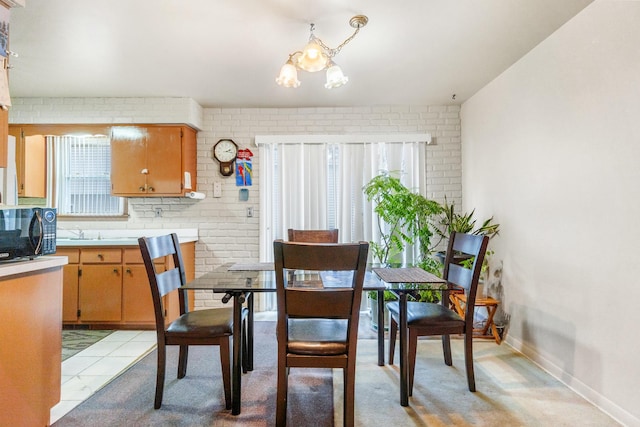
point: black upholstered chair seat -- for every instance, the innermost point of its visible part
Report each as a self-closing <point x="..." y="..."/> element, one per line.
<point x="322" y="337"/>
<point x="206" y="322"/>
<point x="426" y="314"/>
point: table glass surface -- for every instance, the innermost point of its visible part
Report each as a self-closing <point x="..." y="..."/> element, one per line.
<point x="260" y="277"/>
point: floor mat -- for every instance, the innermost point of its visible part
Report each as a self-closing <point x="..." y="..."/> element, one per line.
<point x="74" y="341"/>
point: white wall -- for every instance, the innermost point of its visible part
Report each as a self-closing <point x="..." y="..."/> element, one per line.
<point x="551" y="147"/>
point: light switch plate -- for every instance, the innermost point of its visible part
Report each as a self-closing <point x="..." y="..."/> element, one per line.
<point x="217" y="189"/>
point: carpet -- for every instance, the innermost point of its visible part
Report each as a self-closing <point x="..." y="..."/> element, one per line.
<point x="197" y="399"/>
<point x="76" y="340"/>
<point x="511" y="390"/>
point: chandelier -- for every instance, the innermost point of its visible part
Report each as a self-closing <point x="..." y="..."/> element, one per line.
<point x="317" y="56"/>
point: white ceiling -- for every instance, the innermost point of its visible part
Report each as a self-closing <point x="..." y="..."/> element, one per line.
<point x="225" y="53"/>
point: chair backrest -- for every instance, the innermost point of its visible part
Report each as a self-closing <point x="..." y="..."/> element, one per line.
<point x="163" y="281"/>
<point x="313" y="236"/>
<point x="458" y="274"/>
<point x="335" y="302"/>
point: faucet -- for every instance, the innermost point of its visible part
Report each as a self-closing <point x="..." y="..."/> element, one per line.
<point x="79" y="234"/>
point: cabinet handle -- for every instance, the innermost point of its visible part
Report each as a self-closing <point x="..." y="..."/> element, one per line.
<point x="144" y="171"/>
<point x="128" y="271"/>
<point x="115" y="270"/>
<point x="151" y="189"/>
<point x="101" y="257"/>
<point x="141" y="188"/>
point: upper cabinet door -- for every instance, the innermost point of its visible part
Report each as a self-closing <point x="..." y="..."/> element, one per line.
<point x="164" y="160"/>
<point x="128" y="161"/>
<point x="148" y="161"/>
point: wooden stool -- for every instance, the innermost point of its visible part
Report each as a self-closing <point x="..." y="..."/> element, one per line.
<point x="459" y="300"/>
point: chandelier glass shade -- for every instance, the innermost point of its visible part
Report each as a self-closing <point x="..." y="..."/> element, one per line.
<point x="312" y="58"/>
<point x="317" y="56"/>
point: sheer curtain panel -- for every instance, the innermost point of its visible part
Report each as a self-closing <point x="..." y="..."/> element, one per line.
<point x="316" y="181"/>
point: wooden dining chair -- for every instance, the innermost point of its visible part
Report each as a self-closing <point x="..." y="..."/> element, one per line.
<point x="428" y="319"/>
<point x="313" y="236"/>
<point x="200" y="327"/>
<point x="318" y="326"/>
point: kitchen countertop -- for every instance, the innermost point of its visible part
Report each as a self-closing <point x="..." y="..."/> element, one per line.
<point x="27" y="266"/>
<point x="119" y="237"/>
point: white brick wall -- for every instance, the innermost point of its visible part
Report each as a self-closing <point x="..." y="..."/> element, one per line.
<point x="225" y="232"/>
<point x="106" y="110"/>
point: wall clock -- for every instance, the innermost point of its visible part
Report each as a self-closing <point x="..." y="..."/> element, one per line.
<point x="225" y="152"/>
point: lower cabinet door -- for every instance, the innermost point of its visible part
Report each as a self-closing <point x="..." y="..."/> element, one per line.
<point x="70" y="293"/>
<point x="100" y="293"/>
<point x="137" y="305"/>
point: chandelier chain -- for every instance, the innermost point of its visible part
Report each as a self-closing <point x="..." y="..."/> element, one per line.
<point x="333" y="52"/>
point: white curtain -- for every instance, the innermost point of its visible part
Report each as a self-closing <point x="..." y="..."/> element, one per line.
<point x="311" y="182"/>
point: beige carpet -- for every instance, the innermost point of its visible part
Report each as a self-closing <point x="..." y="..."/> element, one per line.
<point x="511" y="391"/>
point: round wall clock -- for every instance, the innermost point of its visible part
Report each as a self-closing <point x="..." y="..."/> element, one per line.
<point x="225" y="152"/>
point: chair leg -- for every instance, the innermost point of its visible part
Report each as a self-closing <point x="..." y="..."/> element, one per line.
<point x="225" y="363"/>
<point x="393" y="331"/>
<point x="182" y="361"/>
<point x="468" y="360"/>
<point x="446" y="349"/>
<point x="349" y="394"/>
<point x="245" y="348"/>
<point x="162" y="359"/>
<point x="281" y="394"/>
<point x="412" y="348"/>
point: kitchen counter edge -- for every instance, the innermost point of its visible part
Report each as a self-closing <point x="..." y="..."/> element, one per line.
<point x="30" y="265"/>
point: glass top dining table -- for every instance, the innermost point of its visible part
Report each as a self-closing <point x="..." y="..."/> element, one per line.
<point x="238" y="282"/>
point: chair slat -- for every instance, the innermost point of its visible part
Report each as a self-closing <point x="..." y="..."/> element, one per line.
<point x="328" y="303"/>
<point x="321" y="257"/>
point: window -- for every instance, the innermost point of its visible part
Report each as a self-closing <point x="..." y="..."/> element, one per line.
<point x="81" y="168"/>
<point x="310" y="182"/>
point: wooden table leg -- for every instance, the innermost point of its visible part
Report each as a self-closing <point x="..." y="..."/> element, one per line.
<point x="404" y="357"/>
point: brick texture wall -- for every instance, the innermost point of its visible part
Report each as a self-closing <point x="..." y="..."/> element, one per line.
<point x="226" y="234"/>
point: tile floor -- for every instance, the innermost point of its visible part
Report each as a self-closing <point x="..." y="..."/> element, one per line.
<point x="86" y="372"/>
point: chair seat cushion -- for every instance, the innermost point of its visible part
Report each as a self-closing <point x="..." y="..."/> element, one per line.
<point x="317" y="337"/>
<point x="212" y="321"/>
<point x="426" y="314"/>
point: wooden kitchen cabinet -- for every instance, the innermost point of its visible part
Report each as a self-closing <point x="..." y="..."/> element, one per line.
<point x="109" y="287"/>
<point x="152" y="160"/>
<point x="137" y="305"/>
<point x="100" y="285"/>
<point x="30" y="333"/>
<point x="4" y="140"/>
<point x="31" y="163"/>
<point x="70" y="278"/>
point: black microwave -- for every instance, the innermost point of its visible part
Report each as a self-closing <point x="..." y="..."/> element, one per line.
<point x="27" y="232"/>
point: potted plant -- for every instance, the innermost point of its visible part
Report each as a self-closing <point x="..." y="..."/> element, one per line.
<point x="404" y="218"/>
<point x="450" y="220"/>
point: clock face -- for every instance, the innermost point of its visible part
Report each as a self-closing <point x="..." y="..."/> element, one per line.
<point x="225" y="150"/>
